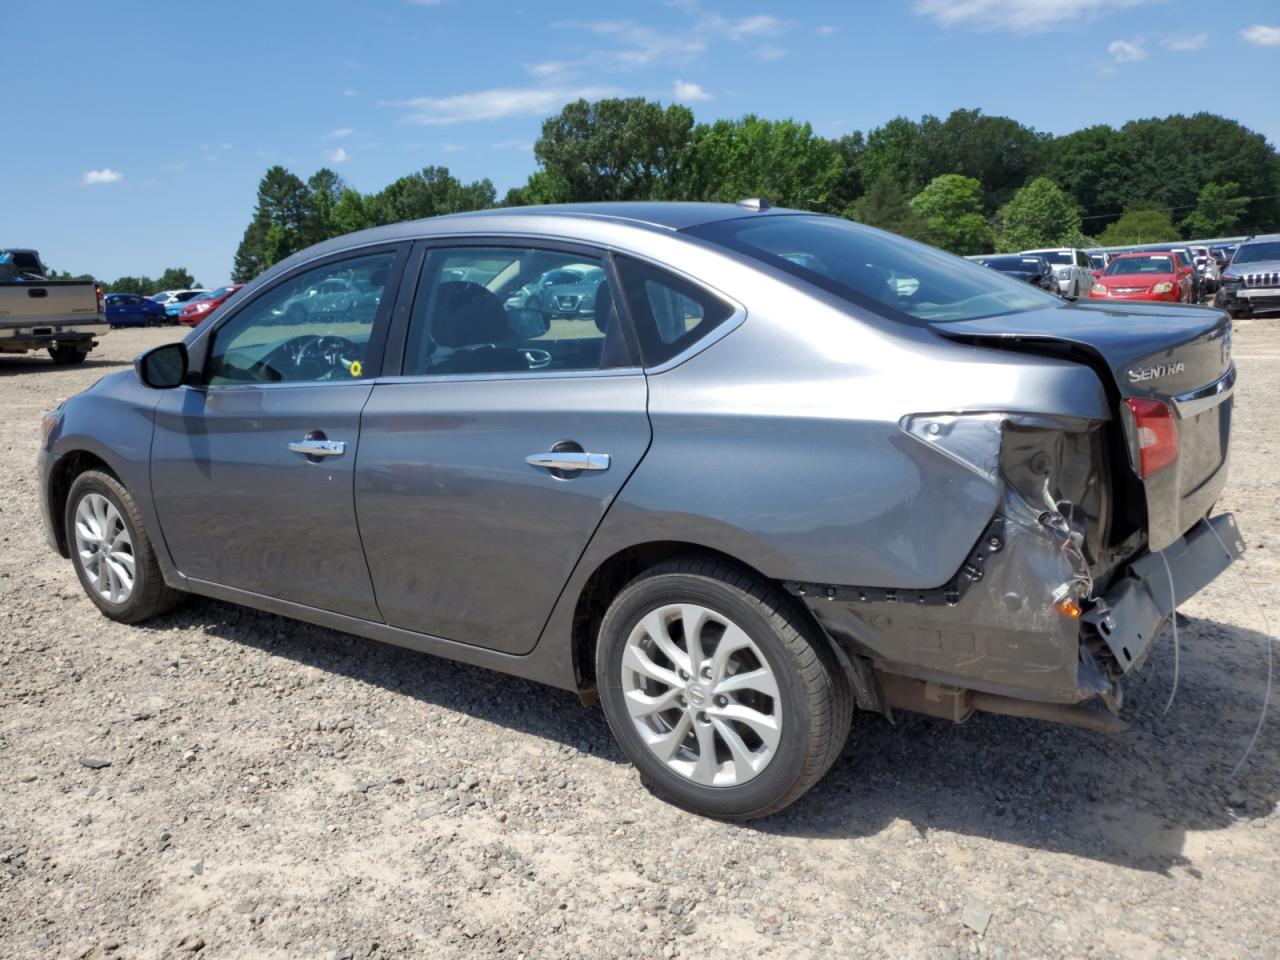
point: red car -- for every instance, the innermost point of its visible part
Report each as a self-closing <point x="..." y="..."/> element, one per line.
<point x="195" y="311"/>
<point x="1145" y="276"/>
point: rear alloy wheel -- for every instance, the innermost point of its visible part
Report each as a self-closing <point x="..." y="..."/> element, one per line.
<point x="721" y="692"/>
<point x="112" y="553"/>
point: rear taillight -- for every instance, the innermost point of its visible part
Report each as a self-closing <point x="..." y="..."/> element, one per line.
<point x="102" y="301"/>
<point x="1157" y="435"/>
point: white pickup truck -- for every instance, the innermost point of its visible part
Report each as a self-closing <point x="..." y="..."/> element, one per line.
<point x="62" y="316"/>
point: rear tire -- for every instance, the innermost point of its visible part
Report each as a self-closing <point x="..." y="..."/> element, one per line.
<point x="103" y="531"/>
<point x="67" y="356"/>
<point x="689" y="720"/>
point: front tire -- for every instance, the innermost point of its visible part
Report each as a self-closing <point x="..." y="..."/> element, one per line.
<point x="725" y="696"/>
<point x="111" y="552"/>
<point x="66" y="356"/>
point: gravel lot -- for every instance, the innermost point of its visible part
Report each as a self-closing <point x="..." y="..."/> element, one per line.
<point x="270" y="789"/>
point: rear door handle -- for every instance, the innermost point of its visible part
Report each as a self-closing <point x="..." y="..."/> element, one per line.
<point x="318" y="448"/>
<point x="568" y="460"/>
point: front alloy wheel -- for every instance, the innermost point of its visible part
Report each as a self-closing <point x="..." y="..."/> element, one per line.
<point x="720" y="688"/>
<point x="105" y="548"/>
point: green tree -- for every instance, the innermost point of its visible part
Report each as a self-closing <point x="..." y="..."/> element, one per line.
<point x="1140" y="224"/>
<point x="431" y="192"/>
<point x="951" y="207"/>
<point x="350" y="213"/>
<point x="850" y="185"/>
<point x="1039" y="215"/>
<point x="1094" y="166"/>
<point x="614" y="149"/>
<point x="138" y="285"/>
<point x="885" y="206"/>
<point x="782" y="160"/>
<point x="176" y="278"/>
<point x="998" y="152"/>
<point x="892" y="151"/>
<point x="324" y="190"/>
<point x="282" y="202"/>
<point x="1218" y="211"/>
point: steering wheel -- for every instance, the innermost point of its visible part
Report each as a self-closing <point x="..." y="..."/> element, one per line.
<point x="317" y="356"/>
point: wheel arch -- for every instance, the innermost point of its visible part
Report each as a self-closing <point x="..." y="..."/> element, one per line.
<point x="62" y="475"/>
<point x="612" y="574"/>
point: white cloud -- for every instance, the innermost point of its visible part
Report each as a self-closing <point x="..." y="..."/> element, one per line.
<point x="644" y="45"/>
<point x="338" y="133"/>
<point x="337" y="155"/>
<point x="522" y="145"/>
<point x="105" y="175"/>
<point x="749" y="27"/>
<point x="425" y="3"/>
<point x="1126" y="51"/>
<point x="226" y="146"/>
<point x="827" y="30"/>
<point x="1261" y="36"/>
<point x="1193" y="42"/>
<point x="448" y="147"/>
<point x="690" y="92"/>
<point x="768" y="52"/>
<point x="494" y="104"/>
<point x="348" y="92"/>
<point x="176" y="167"/>
<point x="1020" y="16"/>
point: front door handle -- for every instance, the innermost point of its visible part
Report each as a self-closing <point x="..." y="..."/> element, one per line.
<point x="318" y="448"/>
<point x="569" y="460"/>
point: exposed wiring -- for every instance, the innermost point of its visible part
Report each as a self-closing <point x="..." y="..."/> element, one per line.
<point x="1173" y="615"/>
<point x="1271" y="642"/>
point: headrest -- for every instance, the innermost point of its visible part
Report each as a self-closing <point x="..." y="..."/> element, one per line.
<point x="466" y="314"/>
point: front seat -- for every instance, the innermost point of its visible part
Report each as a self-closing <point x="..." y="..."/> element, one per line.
<point x="470" y="320"/>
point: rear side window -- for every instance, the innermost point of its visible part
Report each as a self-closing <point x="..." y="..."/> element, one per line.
<point x="670" y="314"/>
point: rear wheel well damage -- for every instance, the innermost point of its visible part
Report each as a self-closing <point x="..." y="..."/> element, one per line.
<point x="611" y="576"/>
<point x="63" y="475"/>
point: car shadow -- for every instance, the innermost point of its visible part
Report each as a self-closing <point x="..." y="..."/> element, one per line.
<point x="16" y="364"/>
<point x="1128" y="800"/>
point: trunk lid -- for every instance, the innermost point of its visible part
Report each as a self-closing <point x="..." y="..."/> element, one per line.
<point x="1178" y="355"/>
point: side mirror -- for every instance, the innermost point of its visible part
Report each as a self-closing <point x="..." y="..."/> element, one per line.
<point x="163" y="367"/>
<point x="1097" y="274"/>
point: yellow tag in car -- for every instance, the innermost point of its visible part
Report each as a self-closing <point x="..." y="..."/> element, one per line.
<point x="356" y="368"/>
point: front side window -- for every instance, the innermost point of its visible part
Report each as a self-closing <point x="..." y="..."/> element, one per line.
<point x="898" y="278"/>
<point x="502" y="310"/>
<point x="291" y="333"/>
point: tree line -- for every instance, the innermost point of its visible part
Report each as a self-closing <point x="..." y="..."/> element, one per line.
<point x="970" y="183"/>
<point x="173" y="278"/>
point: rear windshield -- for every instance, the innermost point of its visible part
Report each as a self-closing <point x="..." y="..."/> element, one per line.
<point x="886" y="273"/>
<point x="1258" y="252"/>
<point x="1127" y="265"/>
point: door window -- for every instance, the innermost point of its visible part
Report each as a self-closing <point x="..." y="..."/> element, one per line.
<point x="670" y="313"/>
<point x="314" y="326"/>
<point x="502" y="310"/>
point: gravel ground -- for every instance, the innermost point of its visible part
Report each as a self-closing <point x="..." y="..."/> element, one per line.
<point x="225" y="783"/>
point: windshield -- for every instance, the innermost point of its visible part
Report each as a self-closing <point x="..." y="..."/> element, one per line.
<point x="1129" y="265"/>
<point x="1258" y="252"/>
<point x="889" y="274"/>
<point x="1056" y="256"/>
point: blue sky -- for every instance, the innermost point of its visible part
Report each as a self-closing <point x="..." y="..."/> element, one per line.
<point x="136" y="132"/>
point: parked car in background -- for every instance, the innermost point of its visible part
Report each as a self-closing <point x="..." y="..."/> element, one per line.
<point x="61" y="316"/>
<point x="174" y="303"/>
<point x="334" y="298"/>
<point x="568" y="291"/>
<point x="1207" y="267"/>
<point x="1099" y="261"/>
<point x="199" y="308"/>
<point x="133" y="310"/>
<point x="1251" y="282"/>
<point x="1144" y="276"/>
<point x="1072" y="267"/>
<point x="755" y="490"/>
<point x="1032" y="268"/>
<point x="1184" y="259"/>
